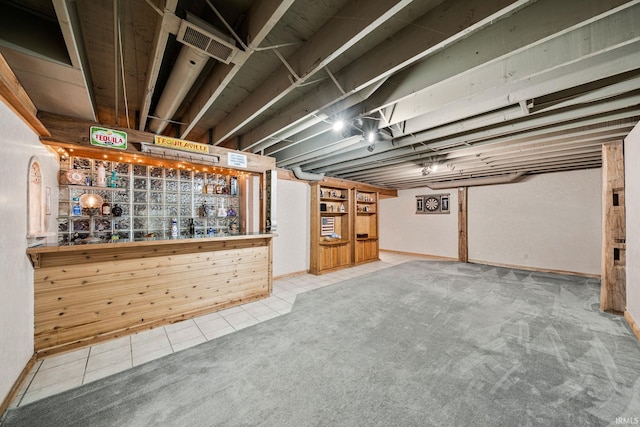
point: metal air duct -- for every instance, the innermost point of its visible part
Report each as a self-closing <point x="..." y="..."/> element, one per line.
<point x="200" y="42"/>
<point x="187" y="68"/>
<point x="474" y="182"/>
<point x="306" y="176"/>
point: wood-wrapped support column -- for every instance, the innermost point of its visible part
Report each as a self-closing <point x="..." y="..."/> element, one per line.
<point x="613" y="268"/>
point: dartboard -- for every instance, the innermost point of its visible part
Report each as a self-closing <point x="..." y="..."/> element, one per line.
<point x="431" y="204"/>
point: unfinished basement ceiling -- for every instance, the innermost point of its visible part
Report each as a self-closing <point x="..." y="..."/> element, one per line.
<point x="452" y="90"/>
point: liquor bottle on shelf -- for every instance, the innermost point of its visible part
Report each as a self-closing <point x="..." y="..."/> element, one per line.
<point x="113" y="181"/>
<point x="106" y="208"/>
<point x="220" y="185"/>
<point x="203" y="210"/>
<point x="208" y="187"/>
<point x="102" y="180"/>
<point x="222" y="212"/>
<point x="234" y="186"/>
<point x="116" y="210"/>
<point x="192" y="228"/>
<point x="174" y="228"/>
<point x="77" y="209"/>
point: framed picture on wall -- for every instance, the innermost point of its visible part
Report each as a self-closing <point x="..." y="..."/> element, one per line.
<point x="432" y="204"/>
<point x="444" y="203"/>
<point x="327" y="226"/>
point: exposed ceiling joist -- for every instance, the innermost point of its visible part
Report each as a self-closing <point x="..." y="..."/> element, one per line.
<point x="431" y="32"/>
<point x="332" y="40"/>
<point x="507" y="134"/>
<point x="262" y="17"/>
<point x="489" y="87"/>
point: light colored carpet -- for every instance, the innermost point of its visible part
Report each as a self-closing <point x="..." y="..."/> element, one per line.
<point x="423" y="343"/>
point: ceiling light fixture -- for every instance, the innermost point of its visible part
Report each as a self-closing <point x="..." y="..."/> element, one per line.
<point x="371" y="136"/>
<point x="338" y="125"/>
<point x="434" y="165"/>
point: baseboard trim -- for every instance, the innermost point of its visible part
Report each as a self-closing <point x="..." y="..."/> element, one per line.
<point x="426" y="256"/>
<point x="17" y="384"/>
<point x="495" y="264"/>
<point x="294" y="274"/>
<point x="536" y="269"/>
<point x="632" y="323"/>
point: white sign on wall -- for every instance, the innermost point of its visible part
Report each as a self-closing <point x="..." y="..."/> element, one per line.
<point x="237" y="160"/>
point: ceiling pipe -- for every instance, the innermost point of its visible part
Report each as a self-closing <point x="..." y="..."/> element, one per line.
<point x="167" y="24"/>
<point x="474" y="182"/>
<point x="306" y="176"/>
<point x="187" y="68"/>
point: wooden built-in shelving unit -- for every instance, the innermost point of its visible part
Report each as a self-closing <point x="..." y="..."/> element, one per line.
<point x="344" y="226"/>
<point x="330" y="228"/>
<point x="365" y="246"/>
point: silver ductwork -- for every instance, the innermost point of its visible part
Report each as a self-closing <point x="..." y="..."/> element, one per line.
<point x="306" y="176"/>
<point x="200" y="42"/>
<point x="187" y="68"/>
<point x="474" y="182"/>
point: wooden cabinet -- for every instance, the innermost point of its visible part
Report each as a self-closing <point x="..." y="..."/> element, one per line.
<point x="344" y="227"/>
<point x="330" y="228"/>
<point x="365" y="229"/>
<point x="334" y="255"/>
<point x="85" y="294"/>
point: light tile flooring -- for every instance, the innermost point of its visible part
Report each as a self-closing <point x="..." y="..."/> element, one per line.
<point x="65" y="371"/>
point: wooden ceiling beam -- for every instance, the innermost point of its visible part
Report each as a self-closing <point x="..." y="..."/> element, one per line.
<point x="16" y="98"/>
<point x="75" y="134"/>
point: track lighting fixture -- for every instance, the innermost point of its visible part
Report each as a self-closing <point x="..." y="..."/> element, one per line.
<point x="371" y="136"/>
<point x="434" y="165"/>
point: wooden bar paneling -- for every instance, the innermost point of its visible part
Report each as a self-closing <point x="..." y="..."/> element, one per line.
<point x="86" y="294"/>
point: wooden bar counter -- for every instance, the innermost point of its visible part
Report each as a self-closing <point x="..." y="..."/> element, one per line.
<point x="93" y="292"/>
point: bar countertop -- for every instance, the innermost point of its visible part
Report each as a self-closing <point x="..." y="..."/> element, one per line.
<point x="144" y="242"/>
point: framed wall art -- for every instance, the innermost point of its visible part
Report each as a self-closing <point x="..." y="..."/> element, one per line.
<point x="327" y="226"/>
<point x="432" y="204"/>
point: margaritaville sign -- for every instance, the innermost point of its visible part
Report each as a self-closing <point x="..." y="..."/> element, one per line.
<point x="179" y="144"/>
<point x="109" y="138"/>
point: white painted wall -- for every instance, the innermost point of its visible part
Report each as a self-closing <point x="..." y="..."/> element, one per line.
<point x="550" y="221"/>
<point x="18" y="144"/>
<point x="632" y="211"/>
<point x="291" y="249"/>
<point x="401" y="229"/>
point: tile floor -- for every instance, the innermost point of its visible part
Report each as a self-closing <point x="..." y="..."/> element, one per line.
<point x="65" y="371"/>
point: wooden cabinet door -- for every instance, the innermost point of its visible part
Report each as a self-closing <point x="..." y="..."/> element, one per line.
<point x="361" y="247"/>
<point x="326" y="257"/>
<point x="343" y="257"/>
